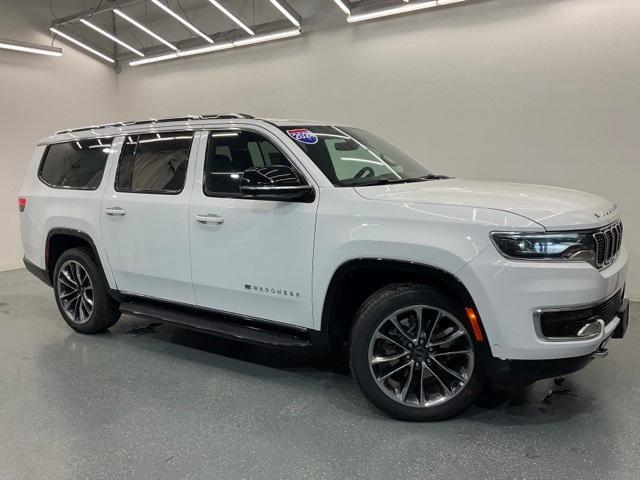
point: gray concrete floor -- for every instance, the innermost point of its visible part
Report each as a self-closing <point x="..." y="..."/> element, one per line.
<point x="166" y="403"/>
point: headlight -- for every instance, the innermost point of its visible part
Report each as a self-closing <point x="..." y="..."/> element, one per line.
<point x="567" y="246"/>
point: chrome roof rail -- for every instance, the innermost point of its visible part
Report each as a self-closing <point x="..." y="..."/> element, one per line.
<point x="212" y="116"/>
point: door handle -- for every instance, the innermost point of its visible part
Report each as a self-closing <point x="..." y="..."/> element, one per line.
<point x="115" y="211"/>
<point x="210" y="219"/>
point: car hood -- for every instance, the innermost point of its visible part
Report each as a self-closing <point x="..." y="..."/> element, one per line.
<point x="552" y="207"/>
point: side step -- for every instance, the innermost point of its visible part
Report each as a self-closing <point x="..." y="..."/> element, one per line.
<point x="218" y="324"/>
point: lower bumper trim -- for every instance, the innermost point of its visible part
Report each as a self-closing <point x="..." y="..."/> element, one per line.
<point x="36" y="271"/>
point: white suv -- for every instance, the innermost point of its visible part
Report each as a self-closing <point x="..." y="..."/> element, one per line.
<point x="298" y="233"/>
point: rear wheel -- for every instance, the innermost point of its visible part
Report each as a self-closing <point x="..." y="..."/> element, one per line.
<point x="81" y="293"/>
<point x="412" y="354"/>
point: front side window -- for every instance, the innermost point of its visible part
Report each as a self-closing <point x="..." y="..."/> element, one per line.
<point x="154" y="163"/>
<point x="354" y="157"/>
<point x="77" y="165"/>
<point x="230" y="153"/>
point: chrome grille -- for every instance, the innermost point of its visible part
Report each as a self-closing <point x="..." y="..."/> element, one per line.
<point x="608" y="241"/>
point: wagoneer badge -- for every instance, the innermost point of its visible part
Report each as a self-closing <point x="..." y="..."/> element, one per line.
<point x="278" y="292"/>
<point x="605" y="213"/>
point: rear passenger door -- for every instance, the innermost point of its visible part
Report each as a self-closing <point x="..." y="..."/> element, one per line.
<point x="145" y="215"/>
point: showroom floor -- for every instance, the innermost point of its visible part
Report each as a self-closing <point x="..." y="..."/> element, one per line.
<point x="160" y="402"/>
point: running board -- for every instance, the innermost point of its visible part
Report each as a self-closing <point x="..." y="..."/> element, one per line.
<point x="217" y="324"/>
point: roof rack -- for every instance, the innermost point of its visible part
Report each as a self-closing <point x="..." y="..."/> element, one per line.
<point x="212" y="116"/>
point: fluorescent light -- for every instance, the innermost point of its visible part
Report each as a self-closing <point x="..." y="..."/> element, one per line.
<point x="111" y="37"/>
<point x="144" y="29"/>
<point x="217" y="47"/>
<point x="181" y="20"/>
<point x="82" y="45"/>
<point x="159" y="58"/>
<point x="27" y="47"/>
<point x="343" y="7"/>
<point x="286" y="12"/>
<point x="407" y="7"/>
<point x="267" y="38"/>
<point x="449" y="2"/>
<point x="212" y="48"/>
<point x="218" y="135"/>
<point x="240" y="23"/>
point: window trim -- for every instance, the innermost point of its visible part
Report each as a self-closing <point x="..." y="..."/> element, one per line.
<point x="152" y="192"/>
<point x="62" y="187"/>
<point x="271" y="139"/>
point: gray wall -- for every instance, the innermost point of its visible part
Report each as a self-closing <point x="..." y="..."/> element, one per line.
<point x="539" y="91"/>
<point x="39" y="95"/>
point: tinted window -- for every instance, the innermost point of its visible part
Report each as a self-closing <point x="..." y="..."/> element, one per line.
<point x="76" y="165"/>
<point x="154" y="163"/>
<point x="352" y="156"/>
<point x="230" y="153"/>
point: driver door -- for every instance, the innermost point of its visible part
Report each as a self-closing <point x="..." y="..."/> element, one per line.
<point x="249" y="256"/>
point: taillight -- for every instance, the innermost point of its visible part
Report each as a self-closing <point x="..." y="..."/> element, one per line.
<point x="22" y="203"/>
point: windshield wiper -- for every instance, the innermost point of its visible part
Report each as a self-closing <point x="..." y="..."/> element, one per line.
<point x="388" y="181"/>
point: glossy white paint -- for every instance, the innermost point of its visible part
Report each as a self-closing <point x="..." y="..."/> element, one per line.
<point x="159" y="249"/>
<point x="258" y="260"/>
<point x="148" y="247"/>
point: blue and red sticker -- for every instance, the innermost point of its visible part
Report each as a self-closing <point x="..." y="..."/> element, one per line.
<point x="303" y="135"/>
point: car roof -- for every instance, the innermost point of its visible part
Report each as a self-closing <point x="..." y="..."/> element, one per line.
<point x="158" y="124"/>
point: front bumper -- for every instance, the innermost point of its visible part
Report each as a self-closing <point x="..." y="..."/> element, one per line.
<point x="508" y="294"/>
<point x="511" y="374"/>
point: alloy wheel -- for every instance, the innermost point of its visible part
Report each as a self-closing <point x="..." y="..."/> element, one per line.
<point x="75" y="292"/>
<point x="421" y="356"/>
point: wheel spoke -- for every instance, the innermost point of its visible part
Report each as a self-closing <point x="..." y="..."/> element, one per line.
<point x="422" y="396"/>
<point x="378" y="360"/>
<point x="65" y="296"/>
<point x="444" y="386"/>
<point x="448" y="340"/>
<point x="451" y="372"/>
<point x="382" y="336"/>
<point x="407" y="385"/>
<point x="455" y="352"/>
<point x="418" y="311"/>
<point x="88" y="300"/>
<point x="395" y="370"/>
<point x="433" y="327"/>
<point x="67" y="276"/>
<point x="395" y="323"/>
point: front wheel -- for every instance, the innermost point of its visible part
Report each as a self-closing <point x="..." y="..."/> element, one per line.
<point x="412" y="354"/>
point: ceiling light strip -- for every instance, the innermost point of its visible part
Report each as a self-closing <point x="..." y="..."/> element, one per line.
<point x="239" y="22"/>
<point x="343" y="6"/>
<point x="181" y="20"/>
<point x="82" y="45"/>
<point x="27" y="47"/>
<point x="406" y="8"/>
<point x="287" y="12"/>
<point x="221" y="46"/>
<point x="111" y="37"/>
<point x="126" y="17"/>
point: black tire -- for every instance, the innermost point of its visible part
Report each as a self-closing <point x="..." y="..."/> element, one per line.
<point x="371" y="315"/>
<point x="106" y="311"/>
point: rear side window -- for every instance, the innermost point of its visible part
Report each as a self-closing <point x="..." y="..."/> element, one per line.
<point x="77" y="165"/>
<point x="154" y="163"/>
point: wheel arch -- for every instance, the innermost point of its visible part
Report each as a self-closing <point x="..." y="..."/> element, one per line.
<point x="61" y="239"/>
<point x="356" y="279"/>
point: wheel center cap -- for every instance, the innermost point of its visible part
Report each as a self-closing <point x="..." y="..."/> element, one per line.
<point x="419" y="354"/>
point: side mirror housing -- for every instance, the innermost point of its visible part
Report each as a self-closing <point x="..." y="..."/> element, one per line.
<point x="278" y="182"/>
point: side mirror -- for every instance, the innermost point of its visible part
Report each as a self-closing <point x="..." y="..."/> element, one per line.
<point x="279" y="182"/>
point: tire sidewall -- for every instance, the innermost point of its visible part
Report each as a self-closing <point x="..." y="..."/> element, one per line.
<point x="366" y="323"/>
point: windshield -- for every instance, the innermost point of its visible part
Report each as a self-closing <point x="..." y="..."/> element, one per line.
<point x="354" y="157"/>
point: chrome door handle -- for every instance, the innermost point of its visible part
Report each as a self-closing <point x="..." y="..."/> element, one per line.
<point x="115" y="211"/>
<point x="210" y="219"/>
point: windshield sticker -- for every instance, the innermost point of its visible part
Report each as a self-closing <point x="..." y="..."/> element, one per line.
<point x="303" y="135"/>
